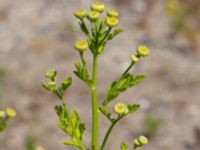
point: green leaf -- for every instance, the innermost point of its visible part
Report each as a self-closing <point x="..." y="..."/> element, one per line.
<point x="114" y="33"/>
<point x="125" y="82"/>
<point x="82" y="130"/>
<point x="132" y="108"/>
<point x="83" y="27"/>
<point x="124" y="146"/>
<point x="66" y="83"/>
<point x="74" y="119"/>
<point x="3" y="125"/>
<point x="72" y="142"/>
<point x="82" y="73"/>
<point x="105" y="111"/>
<point x="71" y="125"/>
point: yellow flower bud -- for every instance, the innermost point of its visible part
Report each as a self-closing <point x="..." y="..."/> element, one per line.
<point x="136" y="143"/>
<point x="134" y="58"/>
<point x="80" y="14"/>
<point x="120" y="109"/>
<point x="2" y="114"/>
<point x="112" y="22"/>
<point x="139" y="142"/>
<point x="98" y="6"/>
<point x="51" y="74"/>
<point x="143" y="140"/>
<point x="10" y="112"/>
<point x="93" y="16"/>
<point x="142" y="51"/>
<point x="112" y="13"/>
<point x="81" y="45"/>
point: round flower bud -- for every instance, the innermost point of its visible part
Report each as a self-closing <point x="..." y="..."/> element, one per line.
<point x="142" y="51"/>
<point x="2" y="114"/>
<point x="120" y="109"/>
<point x="81" y="45"/>
<point x="112" y="21"/>
<point x="98" y="6"/>
<point x="10" y="112"/>
<point x="80" y="14"/>
<point x="112" y="13"/>
<point x="93" y="15"/>
<point x="51" y="74"/>
<point x="134" y="58"/>
<point x="136" y="143"/>
<point x="143" y="140"/>
<point x="39" y="148"/>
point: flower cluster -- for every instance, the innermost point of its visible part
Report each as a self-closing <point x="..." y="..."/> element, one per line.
<point x="5" y="116"/>
<point x="101" y="27"/>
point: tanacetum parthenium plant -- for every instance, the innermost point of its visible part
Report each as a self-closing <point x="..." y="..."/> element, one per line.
<point x="102" y="29"/>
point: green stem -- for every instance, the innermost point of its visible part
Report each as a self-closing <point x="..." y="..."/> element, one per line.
<point x="129" y="67"/>
<point x="109" y="131"/>
<point x="95" y="119"/>
<point x="106" y="35"/>
<point x="82" y="58"/>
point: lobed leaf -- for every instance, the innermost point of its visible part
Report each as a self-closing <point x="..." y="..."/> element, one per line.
<point x="82" y="73"/>
<point x="71" y="125"/>
<point x="114" y="34"/>
<point x="119" y="86"/>
<point x="132" y="108"/>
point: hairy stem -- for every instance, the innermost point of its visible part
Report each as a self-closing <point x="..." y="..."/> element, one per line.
<point x="95" y="119"/>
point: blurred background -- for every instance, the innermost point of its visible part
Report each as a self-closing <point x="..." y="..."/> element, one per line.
<point x="38" y="35"/>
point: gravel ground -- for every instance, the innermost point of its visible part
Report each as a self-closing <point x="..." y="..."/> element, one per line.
<point x="38" y="35"/>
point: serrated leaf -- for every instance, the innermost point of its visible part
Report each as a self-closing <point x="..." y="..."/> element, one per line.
<point x="132" y="108"/>
<point x="124" y="146"/>
<point x="122" y="85"/>
<point x="114" y="33"/>
<point x="82" y="73"/>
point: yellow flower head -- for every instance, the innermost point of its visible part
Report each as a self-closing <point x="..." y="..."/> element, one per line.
<point x="51" y="74"/>
<point x="142" y="51"/>
<point x="120" y="109"/>
<point x="112" y="13"/>
<point x="2" y="114"/>
<point x="93" y="15"/>
<point x="10" y="112"/>
<point x="81" y="45"/>
<point x="39" y="148"/>
<point x="134" y="58"/>
<point x="112" y="21"/>
<point x="80" y="14"/>
<point x="98" y="6"/>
